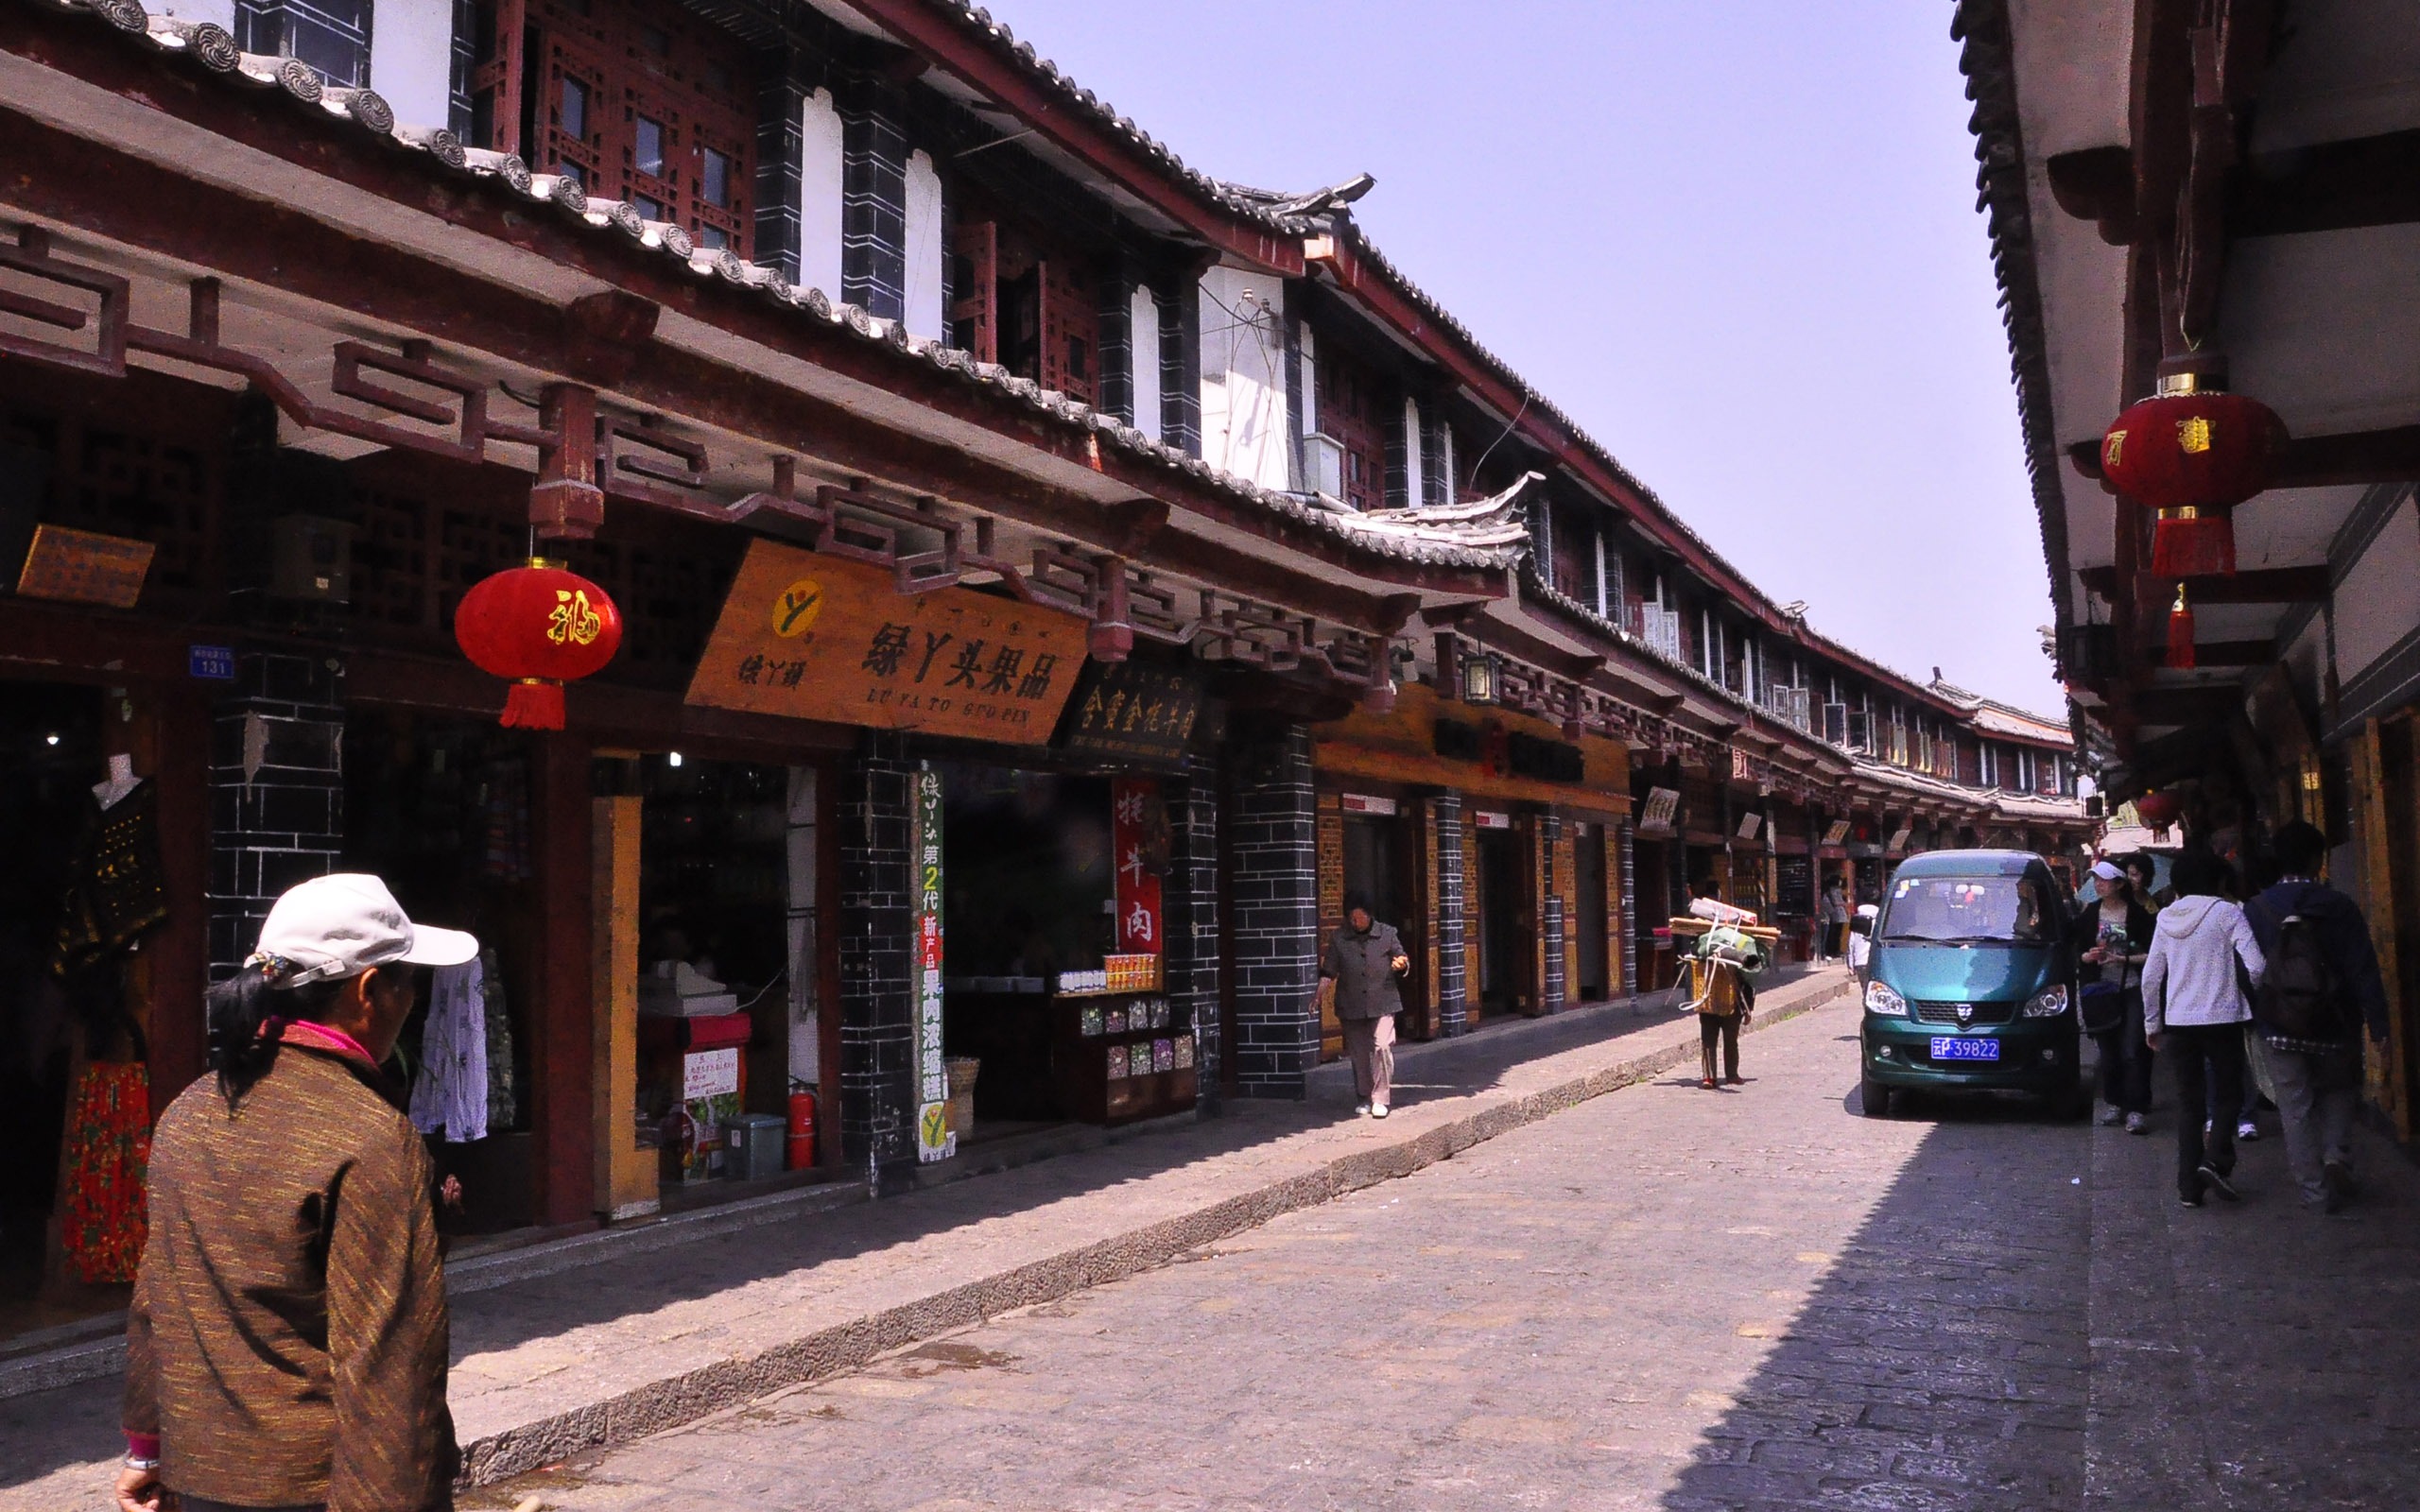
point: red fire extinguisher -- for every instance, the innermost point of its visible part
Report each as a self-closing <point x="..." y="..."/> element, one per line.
<point x="802" y="1131"/>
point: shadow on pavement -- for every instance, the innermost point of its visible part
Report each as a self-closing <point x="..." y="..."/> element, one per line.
<point x="2022" y="1304"/>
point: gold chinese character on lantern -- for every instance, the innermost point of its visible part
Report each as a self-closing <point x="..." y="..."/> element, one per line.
<point x="2112" y="447"/>
<point x="574" y="622"/>
<point x="2193" y="435"/>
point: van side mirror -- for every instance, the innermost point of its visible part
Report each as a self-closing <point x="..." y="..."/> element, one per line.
<point x="1862" y="925"/>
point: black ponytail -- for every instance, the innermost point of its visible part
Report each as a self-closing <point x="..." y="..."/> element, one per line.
<point x="238" y="1009"/>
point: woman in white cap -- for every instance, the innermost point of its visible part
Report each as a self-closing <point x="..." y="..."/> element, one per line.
<point x="287" y="1346"/>
<point x="2113" y="939"/>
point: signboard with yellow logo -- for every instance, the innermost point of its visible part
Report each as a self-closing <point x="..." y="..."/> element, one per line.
<point x="822" y="638"/>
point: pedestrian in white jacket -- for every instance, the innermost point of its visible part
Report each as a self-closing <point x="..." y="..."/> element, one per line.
<point x="2204" y="958"/>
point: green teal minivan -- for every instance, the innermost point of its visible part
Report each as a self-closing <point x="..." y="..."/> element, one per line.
<point x="1969" y="984"/>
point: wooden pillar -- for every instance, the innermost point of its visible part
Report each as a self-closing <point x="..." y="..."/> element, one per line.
<point x="625" y="1176"/>
<point x="560" y="1060"/>
<point x="2380" y="757"/>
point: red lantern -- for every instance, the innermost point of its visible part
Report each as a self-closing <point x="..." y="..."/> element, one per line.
<point x="2193" y="453"/>
<point x="2160" y="810"/>
<point x="540" y="626"/>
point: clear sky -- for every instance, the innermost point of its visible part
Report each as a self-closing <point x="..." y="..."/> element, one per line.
<point x="1734" y="239"/>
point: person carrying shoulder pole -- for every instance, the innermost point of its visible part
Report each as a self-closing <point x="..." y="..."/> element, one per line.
<point x="1363" y="961"/>
<point x="2323" y="989"/>
<point x="287" y="1344"/>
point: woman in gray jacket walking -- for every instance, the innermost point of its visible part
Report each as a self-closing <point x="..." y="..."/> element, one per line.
<point x="2194" y="1011"/>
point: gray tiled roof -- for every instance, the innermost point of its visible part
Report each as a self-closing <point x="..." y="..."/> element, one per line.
<point x="294" y="85"/>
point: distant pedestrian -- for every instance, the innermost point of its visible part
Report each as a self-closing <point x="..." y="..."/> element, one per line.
<point x="1727" y="999"/>
<point x="1832" y="919"/>
<point x="287" y="1343"/>
<point x="2194" y="1010"/>
<point x="2323" y="989"/>
<point x="2113" y="939"/>
<point x="1364" y="961"/>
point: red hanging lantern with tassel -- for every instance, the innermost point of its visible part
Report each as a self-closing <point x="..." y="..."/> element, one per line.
<point x="2179" y="634"/>
<point x="2159" y="810"/>
<point x="540" y="626"/>
<point x="2193" y="453"/>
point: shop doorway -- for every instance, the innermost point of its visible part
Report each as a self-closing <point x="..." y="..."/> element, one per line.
<point x="717" y="877"/>
<point x="1652" y="877"/>
<point x="1374" y="866"/>
<point x="1593" y="922"/>
<point x="1029" y="896"/>
<point x="1503" y="952"/>
<point x="51" y="756"/>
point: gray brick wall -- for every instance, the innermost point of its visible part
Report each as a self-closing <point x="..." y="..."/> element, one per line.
<point x="1630" y="911"/>
<point x="873" y="195"/>
<point x="877" y="1007"/>
<point x="276" y="793"/>
<point x="1274" y="935"/>
<point x="1191" y="909"/>
<point x="1453" y="966"/>
<point x="1550" y="922"/>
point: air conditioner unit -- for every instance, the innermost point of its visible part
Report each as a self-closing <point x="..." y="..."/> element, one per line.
<point x="1324" y="467"/>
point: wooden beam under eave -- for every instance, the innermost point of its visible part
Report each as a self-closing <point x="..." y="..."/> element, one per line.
<point x="2220" y="654"/>
<point x="2258" y="585"/>
<point x="2351" y="458"/>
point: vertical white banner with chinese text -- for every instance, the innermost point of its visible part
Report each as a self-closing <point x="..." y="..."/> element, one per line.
<point x="934" y="1140"/>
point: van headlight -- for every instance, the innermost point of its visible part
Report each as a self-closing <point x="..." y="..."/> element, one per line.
<point x="1880" y="998"/>
<point x="2048" y="1004"/>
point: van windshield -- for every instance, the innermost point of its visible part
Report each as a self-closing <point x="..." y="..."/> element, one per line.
<point x="1968" y="910"/>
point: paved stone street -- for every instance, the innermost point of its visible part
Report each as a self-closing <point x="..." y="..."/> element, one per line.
<point x="1663" y="1297"/>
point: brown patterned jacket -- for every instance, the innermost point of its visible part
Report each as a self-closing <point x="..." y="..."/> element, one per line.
<point x="287" y="1346"/>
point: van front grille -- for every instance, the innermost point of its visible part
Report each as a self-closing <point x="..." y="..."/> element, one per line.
<point x="1948" y="1012"/>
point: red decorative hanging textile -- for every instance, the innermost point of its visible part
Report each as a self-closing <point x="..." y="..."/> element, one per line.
<point x="109" y="1146"/>
<point x="2180" y="630"/>
<point x="540" y="626"/>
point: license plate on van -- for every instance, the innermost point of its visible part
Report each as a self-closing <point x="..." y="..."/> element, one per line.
<point x="1958" y="1047"/>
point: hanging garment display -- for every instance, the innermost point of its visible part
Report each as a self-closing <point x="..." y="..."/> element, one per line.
<point x="114" y="891"/>
<point x="450" y="1094"/>
<point x="109" y="1144"/>
<point x="504" y="1109"/>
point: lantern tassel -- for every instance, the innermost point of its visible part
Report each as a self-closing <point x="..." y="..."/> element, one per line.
<point x="2193" y="544"/>
<point x="534" y="704"/>
<point x="2180" y="635"/>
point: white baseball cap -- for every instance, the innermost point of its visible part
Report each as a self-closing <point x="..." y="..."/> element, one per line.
<point x="2107" y="872"/>
<point x="338" y="926"/>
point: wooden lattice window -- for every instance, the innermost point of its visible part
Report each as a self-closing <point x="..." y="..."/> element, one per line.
<point x="646" y="104"/>
<point x="1352" y="408"/>
<point x="1032" y="307"/>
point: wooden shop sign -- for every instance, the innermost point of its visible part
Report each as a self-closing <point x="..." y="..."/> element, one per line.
<point x="1142" y="710"/>
<point x="817" y="637"/>
<point x="80" y="567"/>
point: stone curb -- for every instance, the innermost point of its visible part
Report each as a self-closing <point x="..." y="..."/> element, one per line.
<point x="687" y="1398"/>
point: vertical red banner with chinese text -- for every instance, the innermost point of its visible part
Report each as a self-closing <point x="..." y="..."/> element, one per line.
<point x="1132" y="806"/>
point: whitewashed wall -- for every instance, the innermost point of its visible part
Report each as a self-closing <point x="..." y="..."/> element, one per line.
<point x="2378" y="602"/>
<point x="1143" y="317"/>
<point x="926" y="247"/>
<point x="1243" y="375"/>
<point x="412" y="57"/>
<point x="818" y="195"/>
<point x="220" y="12"/>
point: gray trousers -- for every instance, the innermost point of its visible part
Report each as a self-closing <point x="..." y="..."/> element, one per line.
<point x="2317" y="1097"/>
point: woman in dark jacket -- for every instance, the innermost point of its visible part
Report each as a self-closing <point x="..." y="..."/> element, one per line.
<point x="2111" y="941"/>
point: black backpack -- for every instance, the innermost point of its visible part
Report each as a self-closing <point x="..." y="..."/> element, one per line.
<point x="2301" y="996"/>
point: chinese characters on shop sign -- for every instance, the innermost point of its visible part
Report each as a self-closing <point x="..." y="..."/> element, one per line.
<point x="822" y="638"/>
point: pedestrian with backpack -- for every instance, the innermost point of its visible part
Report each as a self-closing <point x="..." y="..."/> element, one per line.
<point x="2194" y="1009"/>
<point x="2323" y="989"/>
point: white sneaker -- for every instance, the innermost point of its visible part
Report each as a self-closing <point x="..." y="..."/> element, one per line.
<point x="1360" y="1109"/>
<point x="2109" y="1115"/>
<point x="1377" y="1109"/>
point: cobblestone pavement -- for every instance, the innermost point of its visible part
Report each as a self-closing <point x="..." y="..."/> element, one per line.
<point x="1664" y="1299"/>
